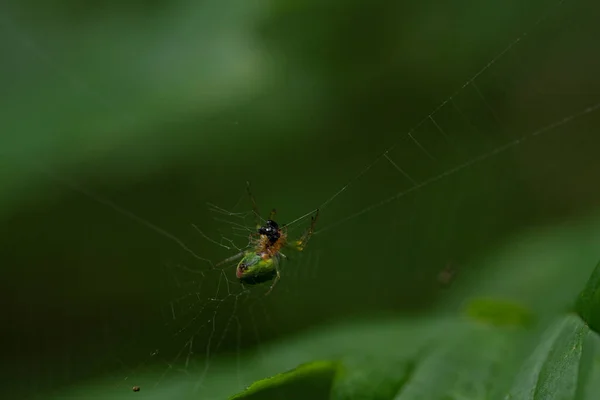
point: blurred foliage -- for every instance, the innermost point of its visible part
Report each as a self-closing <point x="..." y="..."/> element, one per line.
<point x="159" y="107"/>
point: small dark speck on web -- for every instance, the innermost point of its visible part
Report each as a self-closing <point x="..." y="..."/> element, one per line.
<point x="447" y="275"/>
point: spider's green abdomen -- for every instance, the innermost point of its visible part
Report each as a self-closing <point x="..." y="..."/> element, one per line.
<point x="256" y="268"/>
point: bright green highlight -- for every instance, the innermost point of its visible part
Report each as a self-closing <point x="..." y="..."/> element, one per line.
<point x="498" y="312"/>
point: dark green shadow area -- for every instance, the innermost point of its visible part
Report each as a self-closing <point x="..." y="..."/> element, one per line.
<point x="588" y="303"/>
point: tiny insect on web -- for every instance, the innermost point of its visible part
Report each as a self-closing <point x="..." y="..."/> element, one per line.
<point x="260" y="262"/>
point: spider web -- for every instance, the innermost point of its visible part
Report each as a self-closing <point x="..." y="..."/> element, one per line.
<point x="208" y="321"/>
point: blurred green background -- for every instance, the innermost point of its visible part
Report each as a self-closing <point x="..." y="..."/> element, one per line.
<point x="164" y="106"/>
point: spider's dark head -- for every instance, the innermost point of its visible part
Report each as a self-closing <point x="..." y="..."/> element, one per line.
<point x="271" y="230"/>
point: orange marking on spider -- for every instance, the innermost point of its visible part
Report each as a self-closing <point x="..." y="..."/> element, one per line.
<point x="260" y="263"/>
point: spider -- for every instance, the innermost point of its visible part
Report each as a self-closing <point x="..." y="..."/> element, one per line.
<point x="260" y="263"/>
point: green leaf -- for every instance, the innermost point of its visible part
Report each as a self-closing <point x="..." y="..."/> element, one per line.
<point x="465" y="359"/>
<point x="589" y="369"/>
<point x="383" y="378"/>
<point x="308" y="381"/>
<point x="553" y="370"/>
<point x="588" y="303"/>
<point x="471" y="362"/>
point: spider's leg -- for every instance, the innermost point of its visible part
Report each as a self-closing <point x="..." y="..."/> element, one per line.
<point x="277" y="277"/>
<point x="300" y="244"/>
<point x="230" y="259"/>
<point x="254" y="206"/>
